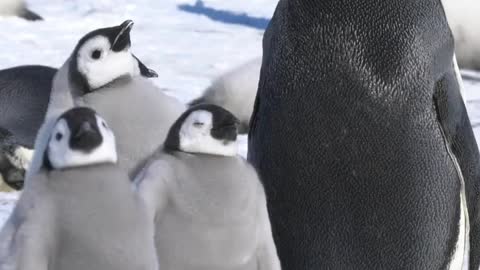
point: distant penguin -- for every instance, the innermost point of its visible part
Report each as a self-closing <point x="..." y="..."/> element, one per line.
<point x="361" y="138"/>
<point x="208" y="204"/>
<point x="463" y="19"/>
<point x="100" y="74"/>
<point x="235" y="91"/>
<point x="17" y="8"/>
<point x="79" y="211"/>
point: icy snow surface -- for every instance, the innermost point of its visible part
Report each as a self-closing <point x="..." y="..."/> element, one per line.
<point x="187" y="42"/>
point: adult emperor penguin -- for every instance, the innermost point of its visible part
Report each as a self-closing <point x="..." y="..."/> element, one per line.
<point x="18" y="8"/>
<point x="98" y="74"/>
<point x="79" y="211"/>
<point x="24" y="96"/>
<point x="361" y="138"/>
<point x="235" y="91"/>
<point x="208" y="204"/>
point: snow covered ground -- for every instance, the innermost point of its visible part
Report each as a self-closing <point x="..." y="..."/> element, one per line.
<point x="186" y="42"/>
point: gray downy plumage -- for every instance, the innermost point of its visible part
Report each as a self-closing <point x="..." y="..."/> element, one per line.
<point x="139" y="113"/>
<point x="78" y="218"/>
<point x="210" y="213"/>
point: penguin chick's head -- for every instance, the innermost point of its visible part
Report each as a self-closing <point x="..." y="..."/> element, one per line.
<point x="80" y="137"/>
<point x="102" y="56"/>
<point x="206" y="129"/>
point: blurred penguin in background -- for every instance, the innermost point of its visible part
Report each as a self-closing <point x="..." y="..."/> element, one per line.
<point x="463" y="18"/>
<point x="18" y="8"/>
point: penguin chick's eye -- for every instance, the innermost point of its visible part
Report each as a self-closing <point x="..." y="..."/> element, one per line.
<point x="96" y="54"/>
<point x="58" y="136"/>
<point x="198" y="124"/>
<point x="104" y="125"/>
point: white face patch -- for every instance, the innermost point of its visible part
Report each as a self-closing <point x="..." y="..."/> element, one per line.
<point x="195" y="136"/>
<point x="100" y="65"/>
<point x="62" y="156"/>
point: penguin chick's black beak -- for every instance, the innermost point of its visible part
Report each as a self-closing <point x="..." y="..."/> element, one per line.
<point x="144" y="70"/>
<point x="121" y="36"/>
<point x="86" y="138"/>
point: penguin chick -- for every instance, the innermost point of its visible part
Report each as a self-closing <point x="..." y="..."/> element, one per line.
<point x="208" y="205"/>
<point x="74" y="217"/>
<point x="102" y="61"/>
<point x="125" y="99"/>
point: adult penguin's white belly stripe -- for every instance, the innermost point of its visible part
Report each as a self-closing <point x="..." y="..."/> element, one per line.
<point x="460" y="257"/>
<point x="463" y="243"/>
<point x="459" y="79"/>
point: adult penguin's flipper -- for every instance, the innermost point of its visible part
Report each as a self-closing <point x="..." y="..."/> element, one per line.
<point x="461" y="144"/>
<point x="30" y="15"/>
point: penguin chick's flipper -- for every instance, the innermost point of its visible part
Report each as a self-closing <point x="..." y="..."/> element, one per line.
<point x="30" y="15"/>
<point x="144" y="70"/>
<point x="150" y="185"/>
<point x="267" y="257"/>
<point x="460" y="140"/>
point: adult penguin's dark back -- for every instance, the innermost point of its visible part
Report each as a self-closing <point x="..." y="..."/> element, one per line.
<point x="361" y="137"/>
<point x="24" y="87"/>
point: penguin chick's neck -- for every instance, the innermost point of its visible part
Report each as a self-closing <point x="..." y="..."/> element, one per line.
<point x="81" y="84"/>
